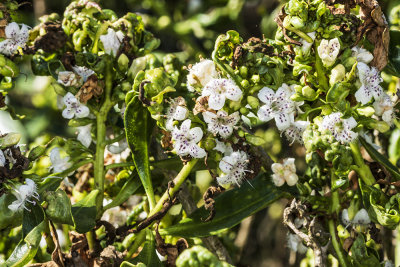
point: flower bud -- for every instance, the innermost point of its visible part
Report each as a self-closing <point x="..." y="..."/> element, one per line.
<point x="255" y="78"/>
<point x="253" y="102"/>
<point x="338" y="73"/>
<point x="209" y="143"/>
<point x="244" y="111"/>
<point x="243" y="71"/>
<point x="123" y="62"/>
<point x="9" y="139"/>
<point x="308" y="92"/>
<point x="297" y="22"/>
<point x="366" y="111"/>
<point x="245" y="83"/>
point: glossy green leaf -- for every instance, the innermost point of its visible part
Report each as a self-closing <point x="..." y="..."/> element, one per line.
<point x="378" y="157"/>
<point x="7" y="216"/>
<point x="84" y="213"/>
<point x="59" y="207"/>
<point x="32" y="227"/>
<point x="138" y="125"/>
<point x="26" y="248"/>
<point x="231" y="208"/>
<point x="126" y="191"/>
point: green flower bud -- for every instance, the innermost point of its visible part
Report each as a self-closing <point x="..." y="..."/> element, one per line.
<point x="253" y="102"/>
<point x="6" y="84"/>
<point x="255" y="78"/>
<point x="244" y="111"/>
<point x="338" y="74"/>
<point x="326" y="110"/>
<point x="308" y="92"/>
<point x="349" y="62"/>
<point x="9" y="139"/>
<point x="296" y="97"/>
<point x="123" y="62"/>
<point x="36" y="152"/>
<point x="245" y="83"/>
<point x="366" y="111"/>
<point x="241" y="133"/>
<point x="296" y="22"/>
<point x="209" y="143"/>
<point x="243" y="71"/>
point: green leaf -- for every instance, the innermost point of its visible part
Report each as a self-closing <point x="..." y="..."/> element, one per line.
<point x="7" y="216"/>
<point x="148" y="254"/>
<point x="361" y="255"/>
<point x="59" y="207"/>
<point x="378" y="157"/>
<point x="138" y="125"/>
<point x="26" y="248"/>
<point x="84" y="213"/>
<point x="231" y="208"/>
<point x="32" y="228"/>
<point x="126" y="191"/>
<point x="31" y="218"/>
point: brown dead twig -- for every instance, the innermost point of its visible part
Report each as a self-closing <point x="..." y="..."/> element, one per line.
<point x="315" y="236"/>
<point x="209" y="201"/>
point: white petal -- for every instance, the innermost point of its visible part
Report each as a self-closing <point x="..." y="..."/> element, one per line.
<point x="82" y="111"/>
<point x="351" y="122"/>
<point x="361" y="217"/>
<point x="196" y="134"/>
<point x="209" y="117"/>
<point x="266" y="95"/>
<point x="185" y="126"/>
<point x="225" y="131"/>
<point x="68" y="113"/>
<point x="345" y="217"/>
<point x="265" y="113"/>
<point x="85" y="136"/>
<point x="12" y="30"/>
<point x="278" y="180"/>
<point x="226" y="164"/>
<point x="292" y="179"/>
<point x="216" y="101"/>
<point x="282" y="121"/>
<point x="233" y="92"/>
<point x="180" y="113"/>
<point x="197" y="152"/>
<point x="363" y="95"/>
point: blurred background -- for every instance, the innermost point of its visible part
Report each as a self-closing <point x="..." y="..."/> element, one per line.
<point x="189" y="29"/>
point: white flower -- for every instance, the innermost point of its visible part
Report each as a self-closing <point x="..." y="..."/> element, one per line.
<point x="112" y="41"/>
<point x="177" y="111"/>
<point x="58" y="164"/>
<point x="285" y="172"/>
<point x="2" y="159"/>
<point x="295" y="131"/>
<point x="306" y="46"/>
<point x="84" y="135"/>
<point x="384" y="107"/>
<point x="116" y="216"/>
<point x="67" y="78"/>
<point x="340" y="128"/>
<point x="362" y="55"/>
<point x="278" y="106"/>
<point x="224" y="148"/>
<point x="201" y="73"/>
<point x="234" y="168"/>
<point x="74" y="107"/>
<point x="15" y="37"/>
<point x="294" y="243"/>
<point x="219" y="90"/>
<point x="370" y="79"/>
<point x="83" y="72"/>
<point x="24" y="193"/>
<point x="186" y="140"/>
<point x="361" y="218"/>
<point x="221" y="123"/>
<point x="328" y="51"/>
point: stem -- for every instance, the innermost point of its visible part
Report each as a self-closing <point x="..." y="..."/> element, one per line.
<point x="335" y="204"/>
<point x="91" y="239"/>
<point x="364" y="171"/>
<point x="140" y="238"/>
<point x="300" y="33"/>
<point x="101" y="139"/>
<point x="336" y="245"/>
<point x="118" y="165"/>
<point x="179" y="179"/>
